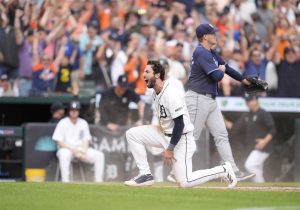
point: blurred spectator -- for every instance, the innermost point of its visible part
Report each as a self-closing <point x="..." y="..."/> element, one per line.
<point x="177" y="70"/>
<point x="82" y="12"/>
<point x="45" y="69"/>
<point x="9" y="61"/>
<point x="57" y="110"/>
<point x="72" y="135"/>
<point x="297" y="24"/>
<point x="259" y="128"/>
<point x="265" y="13"/>
<point x="104" y="37"/>
<point x="288" y="74"/>
<point x="171" y="79"/>
<point x="259" y="27"/>
<point x="229" y="86"/>
<point x="63" y="83"/>
<point x="6" y="88"/>
<point x="136" y="64"/>
<point x="282" y="32"/>
<point x="285" y="9"/>
<point x="101" y="67"/>
<point x="114" y="105"/>
<point x="75" y="57"/>
<point x="119" y="58"/>
<point x="256" y="65"/>
<point x="25" y="42"/>
<point x="241" y="10"/>
<point x="70" y="70"/>
<point x="88" y="44"/>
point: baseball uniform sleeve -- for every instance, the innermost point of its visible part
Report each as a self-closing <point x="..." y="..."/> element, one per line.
<point x="219" y="59"/>
<point x="58" y="134"/>
<point x="208" y="63"/>
<point x="175" y="104"/>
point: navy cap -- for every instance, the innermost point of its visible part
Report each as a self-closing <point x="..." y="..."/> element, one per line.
<point x="93" y="24"/>
<point x="250" y="97"/>
<point x="204" y="29"/>
<point x="74" y="105"/>
<point x="57" y="105"/>
<point x="114" y="36"/>
<point x="123" y="81"/>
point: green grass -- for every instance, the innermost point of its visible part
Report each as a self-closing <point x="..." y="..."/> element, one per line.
<point x="54" y="196"/>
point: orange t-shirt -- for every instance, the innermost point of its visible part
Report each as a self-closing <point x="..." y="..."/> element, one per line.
<point x="131" y="68"/>
<point x="282" y="44"/>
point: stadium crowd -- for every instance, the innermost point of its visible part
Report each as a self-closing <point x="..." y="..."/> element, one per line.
<point x="55" y="46"/>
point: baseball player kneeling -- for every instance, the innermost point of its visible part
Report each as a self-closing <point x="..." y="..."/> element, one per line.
<point x="174" y="134"/>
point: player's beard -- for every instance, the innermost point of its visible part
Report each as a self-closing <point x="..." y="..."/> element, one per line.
<point x="151" y="82"/>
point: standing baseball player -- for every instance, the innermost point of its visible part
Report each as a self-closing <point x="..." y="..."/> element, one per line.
<point x="174" y="134"/>
<point x="259" y="129"/>
<point x="207" y="69"/>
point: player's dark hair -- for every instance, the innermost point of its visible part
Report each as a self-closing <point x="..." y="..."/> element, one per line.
<point x="157" y="68"/>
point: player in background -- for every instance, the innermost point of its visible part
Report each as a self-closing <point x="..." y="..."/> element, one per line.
<point x="259" y="129"/>
<point x="174" y="134"/>
<point x="207" y="69"/>
<point x="72" y="135"/>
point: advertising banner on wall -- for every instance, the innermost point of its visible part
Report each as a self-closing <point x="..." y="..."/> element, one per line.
<point x="40" y="151"/>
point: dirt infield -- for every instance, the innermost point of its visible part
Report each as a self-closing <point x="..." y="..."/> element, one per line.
<point x="254" y="188"/>
<point x="277" y="187"/>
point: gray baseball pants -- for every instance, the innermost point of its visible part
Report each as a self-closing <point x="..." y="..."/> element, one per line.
<point x="204" y="111"/>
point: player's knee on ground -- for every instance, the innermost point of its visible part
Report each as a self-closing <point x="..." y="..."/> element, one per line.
<point x="182" y="182"/>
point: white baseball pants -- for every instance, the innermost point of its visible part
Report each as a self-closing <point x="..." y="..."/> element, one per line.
<point x="150" y="135"/>
<point x="255" y="164"/>
<point x="92" y="156"/>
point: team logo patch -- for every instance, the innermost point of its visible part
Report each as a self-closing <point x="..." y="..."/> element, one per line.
<point x="163" y="113"/>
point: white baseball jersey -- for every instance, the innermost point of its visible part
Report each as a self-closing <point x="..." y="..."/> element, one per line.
<point x="74" y="135"/>
<point x="169" y="105"/>
<point x="70" y="133"/>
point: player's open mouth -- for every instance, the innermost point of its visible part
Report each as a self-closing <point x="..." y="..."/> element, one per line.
<point x="146" y="81"/>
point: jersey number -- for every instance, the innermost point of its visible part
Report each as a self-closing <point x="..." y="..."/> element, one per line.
<point x="65" y="75"/>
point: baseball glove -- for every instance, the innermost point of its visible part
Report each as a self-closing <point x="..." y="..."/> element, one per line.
<point x="257" y="85"/>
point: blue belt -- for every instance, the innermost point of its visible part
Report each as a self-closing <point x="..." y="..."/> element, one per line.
<point x="170" y="135"/>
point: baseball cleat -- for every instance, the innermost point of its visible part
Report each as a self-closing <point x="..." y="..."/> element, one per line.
<point x="229" y="175"/>
<point x="243" y="175"/>
<point x="141" y="180"/>
<point x="171" y="178"/>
